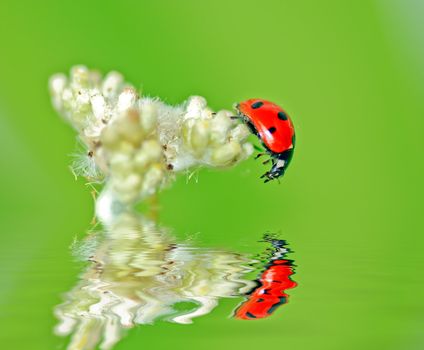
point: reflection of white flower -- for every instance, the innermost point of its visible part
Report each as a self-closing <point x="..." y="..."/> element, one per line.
<point x="138" y="143"/>
<point x="138" y="274"/>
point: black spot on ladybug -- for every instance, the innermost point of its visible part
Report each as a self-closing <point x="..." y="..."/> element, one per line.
<point x="257" y="104"/>
<point x="260" y="300"/>
<point x="272" y="129"/>
<point x="282" y="115"/>
<point x="282" y="301"/>
<point x="250" y="315"/>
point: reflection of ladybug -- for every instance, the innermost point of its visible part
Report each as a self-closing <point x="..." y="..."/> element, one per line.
<point x="271" y="124"/>
<point x="273" y="282"/>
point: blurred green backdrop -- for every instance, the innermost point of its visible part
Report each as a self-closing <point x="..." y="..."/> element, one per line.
<point x="350" y="73"/>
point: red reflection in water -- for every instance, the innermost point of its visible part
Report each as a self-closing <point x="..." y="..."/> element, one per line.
<point x="273" y="282"/>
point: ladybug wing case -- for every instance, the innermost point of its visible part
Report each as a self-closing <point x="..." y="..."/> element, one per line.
<point x="271" y="123"/>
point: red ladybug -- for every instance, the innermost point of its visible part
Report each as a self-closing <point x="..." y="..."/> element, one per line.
<point x="270" y="293"/>
<point x="271" y="124"/>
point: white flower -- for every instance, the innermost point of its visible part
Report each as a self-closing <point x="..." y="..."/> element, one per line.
<point x="137" y="143"/>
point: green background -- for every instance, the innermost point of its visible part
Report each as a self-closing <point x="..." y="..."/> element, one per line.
<point x="349" y="73"/>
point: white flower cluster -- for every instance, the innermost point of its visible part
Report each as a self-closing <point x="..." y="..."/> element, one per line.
<point x="138" y="143"/>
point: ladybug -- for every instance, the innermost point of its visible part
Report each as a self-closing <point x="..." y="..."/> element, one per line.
<point x="270" y="293"/>
<point x="271" y="124"/>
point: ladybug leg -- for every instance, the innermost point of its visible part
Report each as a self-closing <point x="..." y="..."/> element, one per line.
<point x="268" y="176"/>
<point x="272" y="160"/>
<point x="277" y="170"/>
<point x="260" y="155"/>
<point x="259" y="149"/>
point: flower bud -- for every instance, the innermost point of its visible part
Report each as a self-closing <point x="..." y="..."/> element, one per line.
<point x="152" y="179"/>
<point x="98" y="105"/>
<point x="240" y="133"/>
<point x="195" y="106"/>
<point x="199" y="137"/>
<point x="220" y="125"/>
<point x="128" y="126"/>
<point x="111" y="85"/>
<point x="79" y="77"/>
<point x="226" y="154"/>
<point x="127" y="184"/>
<point x="127" y="100"/>
<point x="149" y="116"/>
<point x="121" y="164"/>
<point x="151" y="151"/>
<point x="57" y="84"/>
